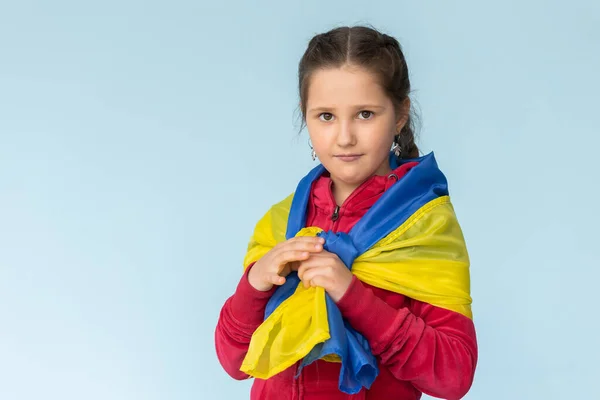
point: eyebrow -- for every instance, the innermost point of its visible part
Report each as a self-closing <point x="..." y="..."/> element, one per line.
<point x="358" y="107"/>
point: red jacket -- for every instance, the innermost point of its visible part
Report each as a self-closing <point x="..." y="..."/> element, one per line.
<point x="419" y="347"/>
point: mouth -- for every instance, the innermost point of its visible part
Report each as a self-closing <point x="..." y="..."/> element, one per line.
<point x="348" y="157"/>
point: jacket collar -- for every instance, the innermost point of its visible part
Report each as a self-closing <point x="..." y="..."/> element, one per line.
<point x="362" y="198"/>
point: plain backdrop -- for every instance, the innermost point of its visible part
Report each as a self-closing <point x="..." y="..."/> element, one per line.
<point x="141" y="140"/>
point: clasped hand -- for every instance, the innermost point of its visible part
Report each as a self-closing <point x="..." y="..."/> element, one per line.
<point x="315" y="266"/>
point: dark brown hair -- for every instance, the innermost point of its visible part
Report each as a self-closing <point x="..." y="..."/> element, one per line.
<point x="368" y="48"/>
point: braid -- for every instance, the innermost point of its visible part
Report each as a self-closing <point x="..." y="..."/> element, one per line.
<point x="406" y="140"/>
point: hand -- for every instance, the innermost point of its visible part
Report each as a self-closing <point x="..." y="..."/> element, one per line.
<point x="326" y="270"/>
<point x="282" y="259"/>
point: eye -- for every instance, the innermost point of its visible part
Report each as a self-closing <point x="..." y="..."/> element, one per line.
<point x="365" y="114"/>
<point x="326" y="117"/>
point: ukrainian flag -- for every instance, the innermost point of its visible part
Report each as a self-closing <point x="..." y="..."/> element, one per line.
<point x="409" y="242"/>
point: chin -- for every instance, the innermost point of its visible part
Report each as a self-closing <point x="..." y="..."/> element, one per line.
<point x="351" y="173"/>
<point x="352" y="177"/>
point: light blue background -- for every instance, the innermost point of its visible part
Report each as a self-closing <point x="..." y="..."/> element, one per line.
<point x="131" y="131"/>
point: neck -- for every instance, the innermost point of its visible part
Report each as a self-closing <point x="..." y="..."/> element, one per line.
<point x="341" y="191"/>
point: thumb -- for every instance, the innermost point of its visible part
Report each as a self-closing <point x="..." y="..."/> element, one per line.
<point x="276" y="279"/>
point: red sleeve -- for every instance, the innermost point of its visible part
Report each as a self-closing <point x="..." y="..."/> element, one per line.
<point x="240" y="316"/>
<point x="433" y="348"/>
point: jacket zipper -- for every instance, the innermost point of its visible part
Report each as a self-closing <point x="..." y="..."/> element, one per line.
<point x="336" y="213"/>
<point x="335" y="216"/>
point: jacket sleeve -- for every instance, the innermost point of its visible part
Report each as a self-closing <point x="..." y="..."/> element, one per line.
<point x="241" y="314"/>
<point x="433" y="348"/>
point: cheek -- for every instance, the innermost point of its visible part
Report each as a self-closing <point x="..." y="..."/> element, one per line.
<point x="318" y="135"/>
<point x="380" y="135"/>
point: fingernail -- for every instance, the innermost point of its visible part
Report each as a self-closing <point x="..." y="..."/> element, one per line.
<point x="318" y="247"/>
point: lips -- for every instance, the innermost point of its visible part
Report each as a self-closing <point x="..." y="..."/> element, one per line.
<point x="348" y="157"/>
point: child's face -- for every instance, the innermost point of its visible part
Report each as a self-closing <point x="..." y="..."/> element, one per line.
<point x="351" y="123"/>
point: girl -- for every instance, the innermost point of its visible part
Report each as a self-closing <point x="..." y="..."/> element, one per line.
<point x="357" y="285"/>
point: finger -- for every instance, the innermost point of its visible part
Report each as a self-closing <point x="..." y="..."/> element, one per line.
<point x="308" y="239"/>
<point x="310" y="263"/>
<point x="276" y="279"/>
<point x="318" y="281"/>
<point x="323" y="255"/>
<point x="306" y="284"/>
<point x="314" y="278"/>
<point x="308" y="275"/>
<point x="313" y="245"/>
<point x="297" y="253"/>
<point x="303" y="269"/>
<point x="317" y="260"/>
<point x="327" y="254"/>
<point x="302" y="239"/>
<point x="289" y="256"/>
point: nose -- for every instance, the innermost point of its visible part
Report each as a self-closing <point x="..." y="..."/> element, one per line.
<point x="345" y="136"/>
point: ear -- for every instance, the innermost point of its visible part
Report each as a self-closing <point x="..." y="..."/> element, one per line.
<point x="402" y="114"/>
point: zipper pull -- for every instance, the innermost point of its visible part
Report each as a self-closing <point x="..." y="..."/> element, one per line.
<point x="336" y="213"/>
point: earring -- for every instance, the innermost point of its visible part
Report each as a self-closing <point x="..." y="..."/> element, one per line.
<point x="397" y="149"/>
<point x="313" y="153"/>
